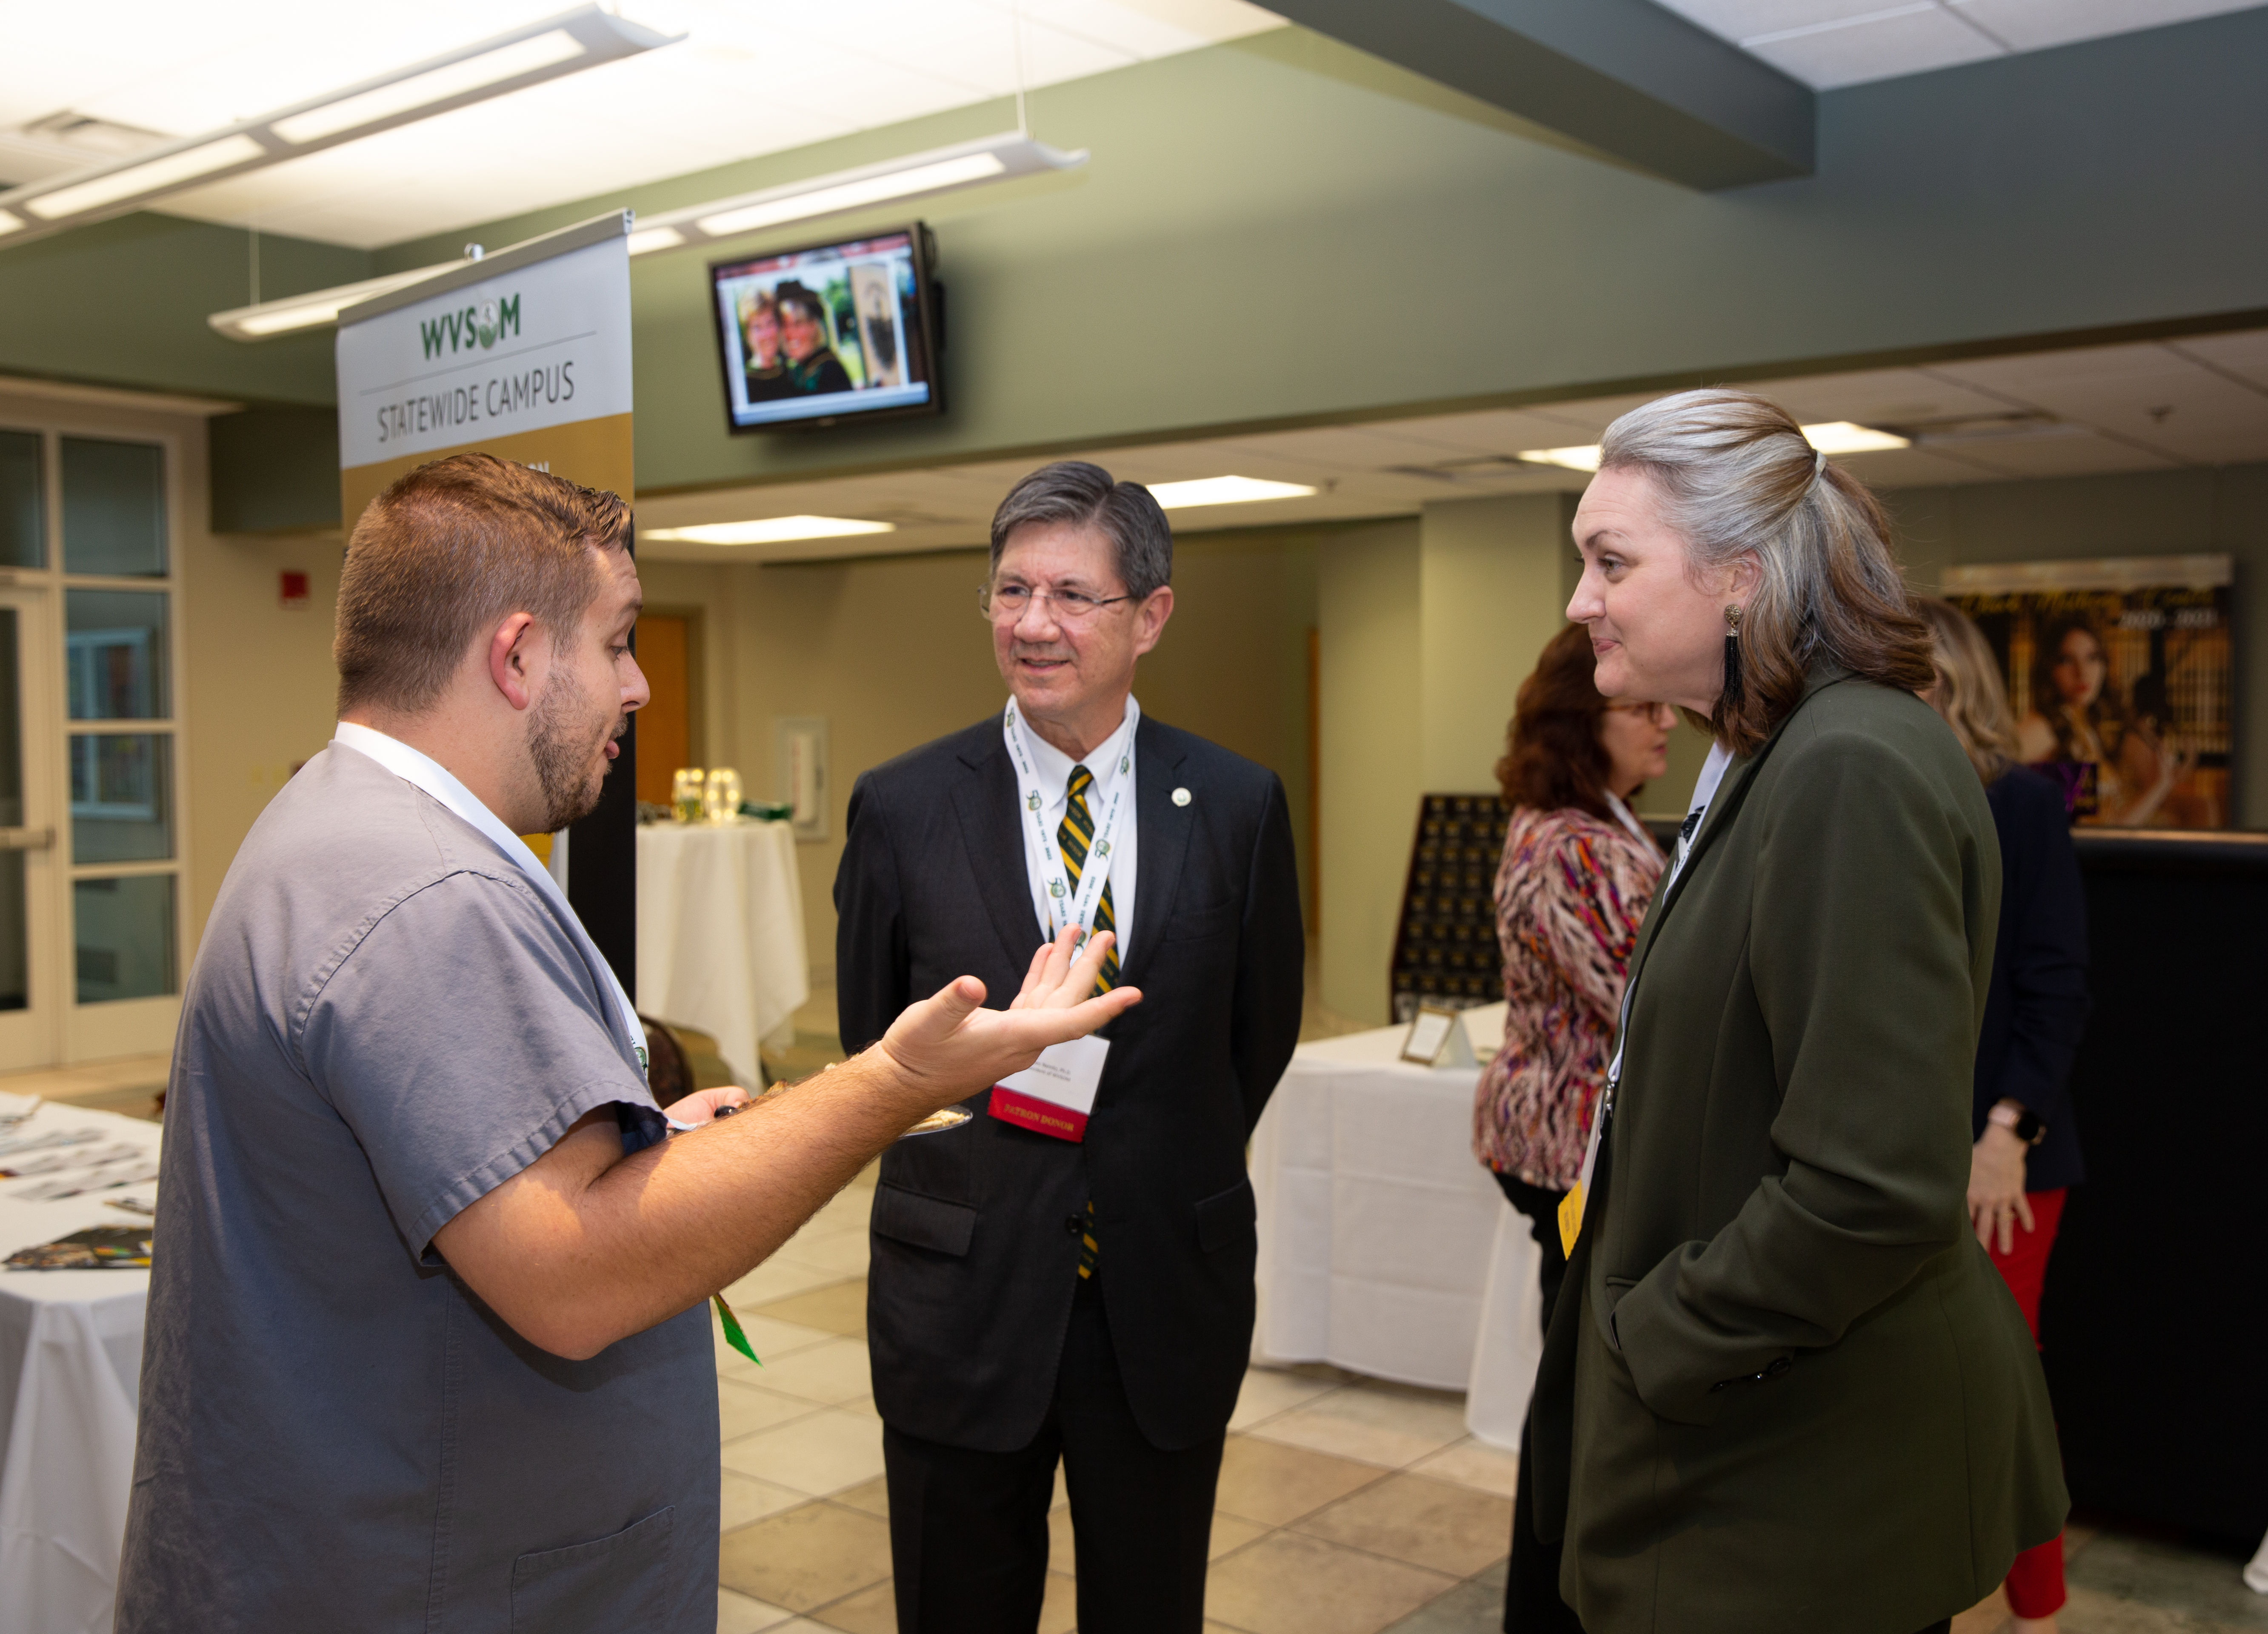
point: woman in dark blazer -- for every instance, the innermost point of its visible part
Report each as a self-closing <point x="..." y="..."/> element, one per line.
<point x="1784" y="1390"/>
<point x="2026" y="1155"/>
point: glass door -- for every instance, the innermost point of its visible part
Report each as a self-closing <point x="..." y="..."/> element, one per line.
<point x="30" y="918"/>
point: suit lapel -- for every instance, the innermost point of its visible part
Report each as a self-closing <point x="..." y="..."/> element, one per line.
<point x="1163" y="834"/>
<point x="1724" y="807"/>
<point x="985" y="800"/>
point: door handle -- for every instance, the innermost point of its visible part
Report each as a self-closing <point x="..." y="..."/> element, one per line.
<point x="26" y="839"/>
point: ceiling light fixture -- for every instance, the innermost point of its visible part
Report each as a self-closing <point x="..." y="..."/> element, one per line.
<point x="1223" y="490"/>
<point x="510" y="62"/>
<point x="1829" y="437"/>
<point x="1583" y="459"/>
<point x="915" y="176"/>
<point x="314" y="309"/>
<point x="770" y="530"/>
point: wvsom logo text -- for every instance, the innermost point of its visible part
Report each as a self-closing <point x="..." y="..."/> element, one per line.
<point x="481" y="326"/>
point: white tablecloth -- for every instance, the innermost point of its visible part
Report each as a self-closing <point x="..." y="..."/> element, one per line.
<point x="71" y="1373"/>
<point x="720" y="933"/>
<point x="1385" y="1248"/>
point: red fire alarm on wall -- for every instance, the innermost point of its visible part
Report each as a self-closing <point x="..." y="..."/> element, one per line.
<point x="294" y="589"/>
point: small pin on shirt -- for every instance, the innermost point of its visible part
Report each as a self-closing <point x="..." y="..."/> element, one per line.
<point x="1180" y="796"/>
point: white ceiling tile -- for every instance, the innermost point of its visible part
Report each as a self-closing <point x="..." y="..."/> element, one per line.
<point x="2030" y="25"/>
<point x="2244" y="355"/>
<point x="1896" y="42"/>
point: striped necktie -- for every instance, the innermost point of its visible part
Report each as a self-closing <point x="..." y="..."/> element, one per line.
<point x="1074" y="837"/>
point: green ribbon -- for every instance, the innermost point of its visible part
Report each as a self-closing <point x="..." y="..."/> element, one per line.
<point x="734" y="1337"/>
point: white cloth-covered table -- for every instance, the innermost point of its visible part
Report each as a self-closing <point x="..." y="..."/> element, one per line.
<point x="71" y="1373"/>
<point x="1385" y="1248"/>
<point x="720" y="932"/>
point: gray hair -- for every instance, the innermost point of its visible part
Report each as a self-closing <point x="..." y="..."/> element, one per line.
<point x="1735" y="476"/>
<point x="1084" y="495"/>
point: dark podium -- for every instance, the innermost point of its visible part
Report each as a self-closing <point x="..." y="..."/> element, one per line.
<point x="2154" y="1320"/>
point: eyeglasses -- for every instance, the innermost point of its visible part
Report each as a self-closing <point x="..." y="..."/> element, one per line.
<point x="1660" y="714"/>
<point x="1004" y="604"/>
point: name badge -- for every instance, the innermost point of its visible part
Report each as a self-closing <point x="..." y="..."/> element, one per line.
<point x="1571" y="1206"/>
<point x="1054" y="1095"/>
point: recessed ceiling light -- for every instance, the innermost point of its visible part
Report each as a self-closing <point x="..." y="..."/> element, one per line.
<point x="1223" y="490"/>
<point x="1846" y="437"/>
<point x="1583" y="459"/>
<point x="770" y="530"/>
<point x="1829" y="437"/>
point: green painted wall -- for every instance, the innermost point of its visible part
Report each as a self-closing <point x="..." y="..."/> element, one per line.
<point x="124" y="302"/>
<point x="1282" y="231"/>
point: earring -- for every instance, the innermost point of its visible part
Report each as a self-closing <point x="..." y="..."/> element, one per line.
<point x="1731" y="696"/>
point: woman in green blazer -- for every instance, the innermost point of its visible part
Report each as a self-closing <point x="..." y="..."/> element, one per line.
<point x="1785" y="1389"/>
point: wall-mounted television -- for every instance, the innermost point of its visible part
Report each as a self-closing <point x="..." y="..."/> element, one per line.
<point x="832" y="333"/>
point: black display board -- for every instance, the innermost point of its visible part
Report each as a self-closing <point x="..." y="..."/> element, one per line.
<point x="2154" y="1320"/>
<point x="603" y="857"/>
<point x="1445" y="946"/>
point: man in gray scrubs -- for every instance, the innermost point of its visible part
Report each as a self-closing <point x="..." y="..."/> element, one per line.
<point x="428" y="1340"/>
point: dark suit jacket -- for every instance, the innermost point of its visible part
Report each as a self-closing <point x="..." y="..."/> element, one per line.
<point x="1784" y="1194"/>
<point x="2037" y="1006"/>
<point x="974" y="1265"/>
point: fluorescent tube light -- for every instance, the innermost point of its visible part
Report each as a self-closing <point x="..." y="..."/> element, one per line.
<point x="953" y="172"/>
<point x="771" y="530"/>
<point x="313" y="309"/>
<point x="528" y="55"/>
<point x="1844" y="436"/>
<point x="1223" y="490"/>
<point x="917" y="175"/>
<point x="1583" y="459"/>
<point x="435" y="84"/>
<point x="1829" y="437"/>
<point x="155" y="175"/>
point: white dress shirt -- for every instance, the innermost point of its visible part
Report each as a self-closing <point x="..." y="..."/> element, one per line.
<point x="1054" y="767"/>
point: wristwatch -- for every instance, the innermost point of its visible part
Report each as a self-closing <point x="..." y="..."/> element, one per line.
<point x="2021" y="1122"/>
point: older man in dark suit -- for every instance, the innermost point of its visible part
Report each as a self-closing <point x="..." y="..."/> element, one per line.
<point x="1069" y="1274"/>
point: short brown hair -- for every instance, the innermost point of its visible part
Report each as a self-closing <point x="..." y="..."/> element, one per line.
<point x="447" y="552"/>
<point x="1083" y="495"/>
<point x="1737" y="477"/>
<point x="1552" y="755"/>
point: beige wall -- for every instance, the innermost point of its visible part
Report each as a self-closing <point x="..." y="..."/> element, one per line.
<point x="261" y="691"/>
<point x="891" y="652"/>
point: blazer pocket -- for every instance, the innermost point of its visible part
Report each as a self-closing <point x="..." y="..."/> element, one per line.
<point x="1227" y="1217"/>
<point x="616" y="1586"/>
<point x="1196" y="925"/>
<point x="925" y="1222"/>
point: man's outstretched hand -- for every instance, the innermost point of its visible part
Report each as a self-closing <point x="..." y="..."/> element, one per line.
<point x="948" y="1049"/>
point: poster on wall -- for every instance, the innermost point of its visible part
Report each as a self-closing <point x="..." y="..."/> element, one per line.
<point x="2121" y="674"/>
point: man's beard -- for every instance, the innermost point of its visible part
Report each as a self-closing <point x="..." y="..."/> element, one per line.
<point x="558" y="741"/>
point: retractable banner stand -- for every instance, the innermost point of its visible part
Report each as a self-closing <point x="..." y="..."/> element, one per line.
<point x="525" y="354"/>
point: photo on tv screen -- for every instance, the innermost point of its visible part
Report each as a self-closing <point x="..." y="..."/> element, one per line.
<point x="832" y="333"/>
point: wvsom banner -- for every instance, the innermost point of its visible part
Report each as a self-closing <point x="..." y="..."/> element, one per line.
<point x="525" y="354"/>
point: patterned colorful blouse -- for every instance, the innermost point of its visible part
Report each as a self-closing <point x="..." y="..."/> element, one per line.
<point x="1570" y="894"/>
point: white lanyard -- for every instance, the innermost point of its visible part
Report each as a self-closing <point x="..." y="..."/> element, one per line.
<point x="1063" y="905"/>
<point x="428" y="774"/>
<point x="1622" y="816"/>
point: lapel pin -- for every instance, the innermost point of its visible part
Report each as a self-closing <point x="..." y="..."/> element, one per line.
<point x="1180" y="796"/>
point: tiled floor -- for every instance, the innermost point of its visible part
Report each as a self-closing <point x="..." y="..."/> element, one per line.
<point x="1346" y="1505"/>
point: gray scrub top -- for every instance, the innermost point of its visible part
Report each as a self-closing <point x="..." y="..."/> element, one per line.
<point x="386" y="1021"/>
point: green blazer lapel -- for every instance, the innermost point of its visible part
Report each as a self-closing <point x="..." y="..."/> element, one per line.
<point x="1723" y="808"/>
